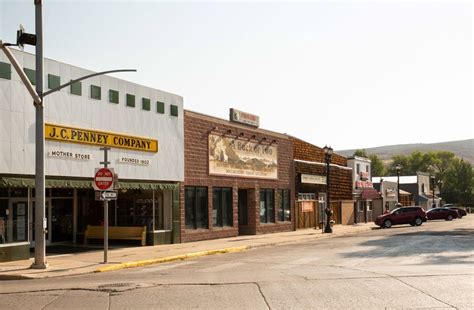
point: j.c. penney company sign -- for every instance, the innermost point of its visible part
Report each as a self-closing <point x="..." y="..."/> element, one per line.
<point x="100" y="138"/>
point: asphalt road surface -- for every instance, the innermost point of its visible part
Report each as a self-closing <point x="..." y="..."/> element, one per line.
<point x="430" y="266"/>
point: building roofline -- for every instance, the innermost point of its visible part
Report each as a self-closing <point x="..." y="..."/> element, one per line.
<point x="321" y="148"/>
<point x="93" y="71"/>
<point x="320" y="164"/>
<point x="359" y="158"/>
<point x="234" y="124"/>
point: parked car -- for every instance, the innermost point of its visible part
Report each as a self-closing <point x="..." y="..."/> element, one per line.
<point x="442" y="214"/>
<point x="404" y="215"/>
<point x="461" y="212"/>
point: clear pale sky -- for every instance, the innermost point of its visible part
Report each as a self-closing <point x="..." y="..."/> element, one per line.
<point x="350" y="74"/>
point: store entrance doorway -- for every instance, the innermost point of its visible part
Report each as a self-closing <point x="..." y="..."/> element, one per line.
<point x="61" y="224"/>
<point x="242" y="210"/>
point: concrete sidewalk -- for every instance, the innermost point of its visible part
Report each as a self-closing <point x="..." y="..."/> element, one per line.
<point x="129" y="257"/>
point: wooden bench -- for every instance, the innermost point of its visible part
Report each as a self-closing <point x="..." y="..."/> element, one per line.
<point x="116" y="233"/>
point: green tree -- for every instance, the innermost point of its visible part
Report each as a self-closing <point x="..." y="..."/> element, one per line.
<point x="416" y="161"/>
<point x="376" y="166"/>
<point x="403" y="161"/>
<point x="458" y="183"/>
<point x="455" y="178"/>
<point x="442" y="161"/>
<point x="361" y="153"/>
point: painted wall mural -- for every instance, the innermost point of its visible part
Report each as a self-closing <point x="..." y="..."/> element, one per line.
<point x="234" y="157"/>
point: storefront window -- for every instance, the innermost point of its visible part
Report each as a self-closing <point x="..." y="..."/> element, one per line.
<point x="159" y="211"/>
<point x="61" y="219"/>
<point x="3" y="192"/>
<point x="62" y="192"/>
<point x="20" y="221"/>
<point x="13" y="221"/>
<point x="267" y="214"/>
<point x="195" y="202"/>
<point x="284" y="212"/>
<point x="143" y="209"/>
<point x="3" y="220"/>
<point x="222" y="206"/>
<point x="306" y="196"/>
<point x="132" y="208"/>
<point x="19" y="192"/>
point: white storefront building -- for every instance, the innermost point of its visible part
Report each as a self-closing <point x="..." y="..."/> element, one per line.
<point x="142" y="126"/>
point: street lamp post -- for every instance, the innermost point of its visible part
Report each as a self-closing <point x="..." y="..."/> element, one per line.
<point x="433" y="181"/>
<point x="40" y="222"/>
<point x="327" y="156"/>
<point x="440" y="188"/>
<point x="398" y="168"/>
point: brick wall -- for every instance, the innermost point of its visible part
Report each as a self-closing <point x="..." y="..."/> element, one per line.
<point x="306" y="151"/>
<point x="197" y="128"/>
<point x="340" y="180"/>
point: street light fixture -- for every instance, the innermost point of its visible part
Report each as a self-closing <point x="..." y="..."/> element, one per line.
<point x="38" y="98"/>
<point x="398" y="168"/>
<point x="327" y="156"/>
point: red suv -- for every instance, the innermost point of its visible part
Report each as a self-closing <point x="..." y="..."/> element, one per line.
<point x="405" y="215"/>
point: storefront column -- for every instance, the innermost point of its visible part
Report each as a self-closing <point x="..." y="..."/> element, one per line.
<point x="30" y="215"/>
<point x="74" y="215"/>
<point x="153" y="210"/>
<point x="176" y="216"/>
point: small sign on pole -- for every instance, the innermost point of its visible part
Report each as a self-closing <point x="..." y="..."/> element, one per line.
<point x="106" y="195"/>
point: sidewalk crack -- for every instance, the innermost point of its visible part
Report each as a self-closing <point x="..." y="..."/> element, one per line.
<point x="405" y="283"/>
<point x="263" y="296"/>
<point x="53" y="300"/>
<point x="415" y="288"/>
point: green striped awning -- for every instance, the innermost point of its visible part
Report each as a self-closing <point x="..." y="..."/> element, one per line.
<point x="81" y="183"/>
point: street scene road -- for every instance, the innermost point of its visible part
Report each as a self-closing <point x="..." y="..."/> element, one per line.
<point x="430" y="266"/>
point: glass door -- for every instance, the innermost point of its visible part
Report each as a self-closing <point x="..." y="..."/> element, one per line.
<point x="32" y="222"/>
<point x="17" y="222"/>
<point x="61" y="220"/>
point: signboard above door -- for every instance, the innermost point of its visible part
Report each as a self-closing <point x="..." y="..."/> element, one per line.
<point x="313" y="179"/>
<point x="244" y="118"/>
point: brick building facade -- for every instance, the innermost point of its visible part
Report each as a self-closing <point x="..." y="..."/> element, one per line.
<point x="218" y="202"/>
<point x="310" y="186"/>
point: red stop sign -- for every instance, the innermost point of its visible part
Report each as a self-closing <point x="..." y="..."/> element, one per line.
<point x="104" y="179"/>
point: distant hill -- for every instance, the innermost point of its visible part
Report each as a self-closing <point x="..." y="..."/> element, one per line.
<point x="463" y="149"/>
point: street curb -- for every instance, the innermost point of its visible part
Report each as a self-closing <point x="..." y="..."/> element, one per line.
<point x="153" y="261"/>
<point x="12" y="277"/>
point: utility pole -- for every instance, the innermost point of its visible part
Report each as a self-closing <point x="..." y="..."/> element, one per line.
<point x="40" y="219"/>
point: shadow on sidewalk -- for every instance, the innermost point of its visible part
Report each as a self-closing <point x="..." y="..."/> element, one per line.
<point x="452" y="246"/>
